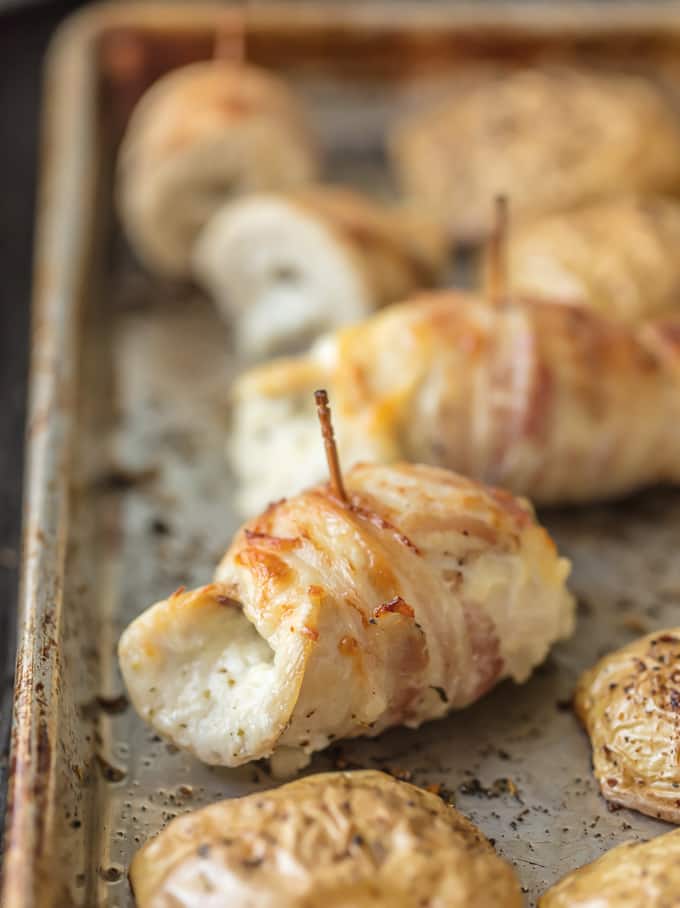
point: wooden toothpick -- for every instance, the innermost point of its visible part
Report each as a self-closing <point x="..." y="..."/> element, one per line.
<point x="230" y="41"/>
<point x="324" y="414"/>
<point x="498" y="253"/>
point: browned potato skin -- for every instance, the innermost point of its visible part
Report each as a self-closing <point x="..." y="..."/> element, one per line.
<point x="336" y="840"/>
<point x="630" y="705"/>
<point x="618" y="256"/>
<point x="634" y="875"/>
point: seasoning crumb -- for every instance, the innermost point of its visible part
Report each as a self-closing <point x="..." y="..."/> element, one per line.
<point x="497" y="789"/>
<point x="121" y="479"/>
<point x="441" y="693"/>
<point x="113" y="705"/>
<point x="635" y="624"/>
<point x="404" y="775"/>
<point x="110" y="772"/>
<point x="159" y="527"/>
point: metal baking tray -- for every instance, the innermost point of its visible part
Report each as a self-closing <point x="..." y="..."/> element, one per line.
<point x="128" y="495"/>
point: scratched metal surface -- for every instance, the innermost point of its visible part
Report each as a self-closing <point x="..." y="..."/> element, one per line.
<point x="129" y="497"/>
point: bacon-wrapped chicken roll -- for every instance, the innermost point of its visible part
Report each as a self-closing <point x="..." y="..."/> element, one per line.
<point x="330" y="619"/>
<point x="634" y="875"/>
<point x="551" y="401"/>
<point x="630" y="705"/>
<point x="202" y="134"/>
<point x="618" y="256"/>
<point x="553" y="138"/>
<point x="346" y="840"/>
<point x="287" y="267"/>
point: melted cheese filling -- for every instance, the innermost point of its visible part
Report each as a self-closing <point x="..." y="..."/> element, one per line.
<point x="281" y="272"/>
<point x="210" y="686"/>
<point x="285" y="425"/>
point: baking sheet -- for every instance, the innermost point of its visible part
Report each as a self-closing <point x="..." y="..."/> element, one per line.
<point x="517" y="763"/>
<point x="129" y="494"/>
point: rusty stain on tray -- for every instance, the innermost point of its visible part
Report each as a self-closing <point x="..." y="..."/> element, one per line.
<point x="128" y="494"/>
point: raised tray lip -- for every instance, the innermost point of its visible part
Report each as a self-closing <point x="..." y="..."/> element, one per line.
<point x="573" y="18"/>
<point x="79" y="28"/>
<point x="66" y="196"/>
<point x="66" y="174"/>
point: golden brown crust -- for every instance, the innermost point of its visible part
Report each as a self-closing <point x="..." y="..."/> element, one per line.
<point x="551" y="138"/>
<point x="338" y="839"/>
<point x="634" y="875"/>
<point x="662" y="337"/>
<point x="630" y="705"/>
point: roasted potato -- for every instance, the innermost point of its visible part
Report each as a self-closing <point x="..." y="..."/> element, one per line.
<point x="337" y="840"/>
<point x="634" y="875"/>
<point x="630" y="705"/>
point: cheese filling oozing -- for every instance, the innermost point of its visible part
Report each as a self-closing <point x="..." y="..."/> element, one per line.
<point x="210" y="683"/>
<point x="280" y="272"/>
<point x="287" y="425"/>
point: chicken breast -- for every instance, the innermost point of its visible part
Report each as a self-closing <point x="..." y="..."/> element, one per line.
<point x="618" y="256"/>
<point x="551" y="139"/>
<point x="330" y="619"/>
<point x="287" y="267"/>
<point x="336" y="840"/>
<point x="202" y="134"/>
<point x="630" y="705"/>
<point x="537" y="397"/>
<point x="634" y="874"/>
